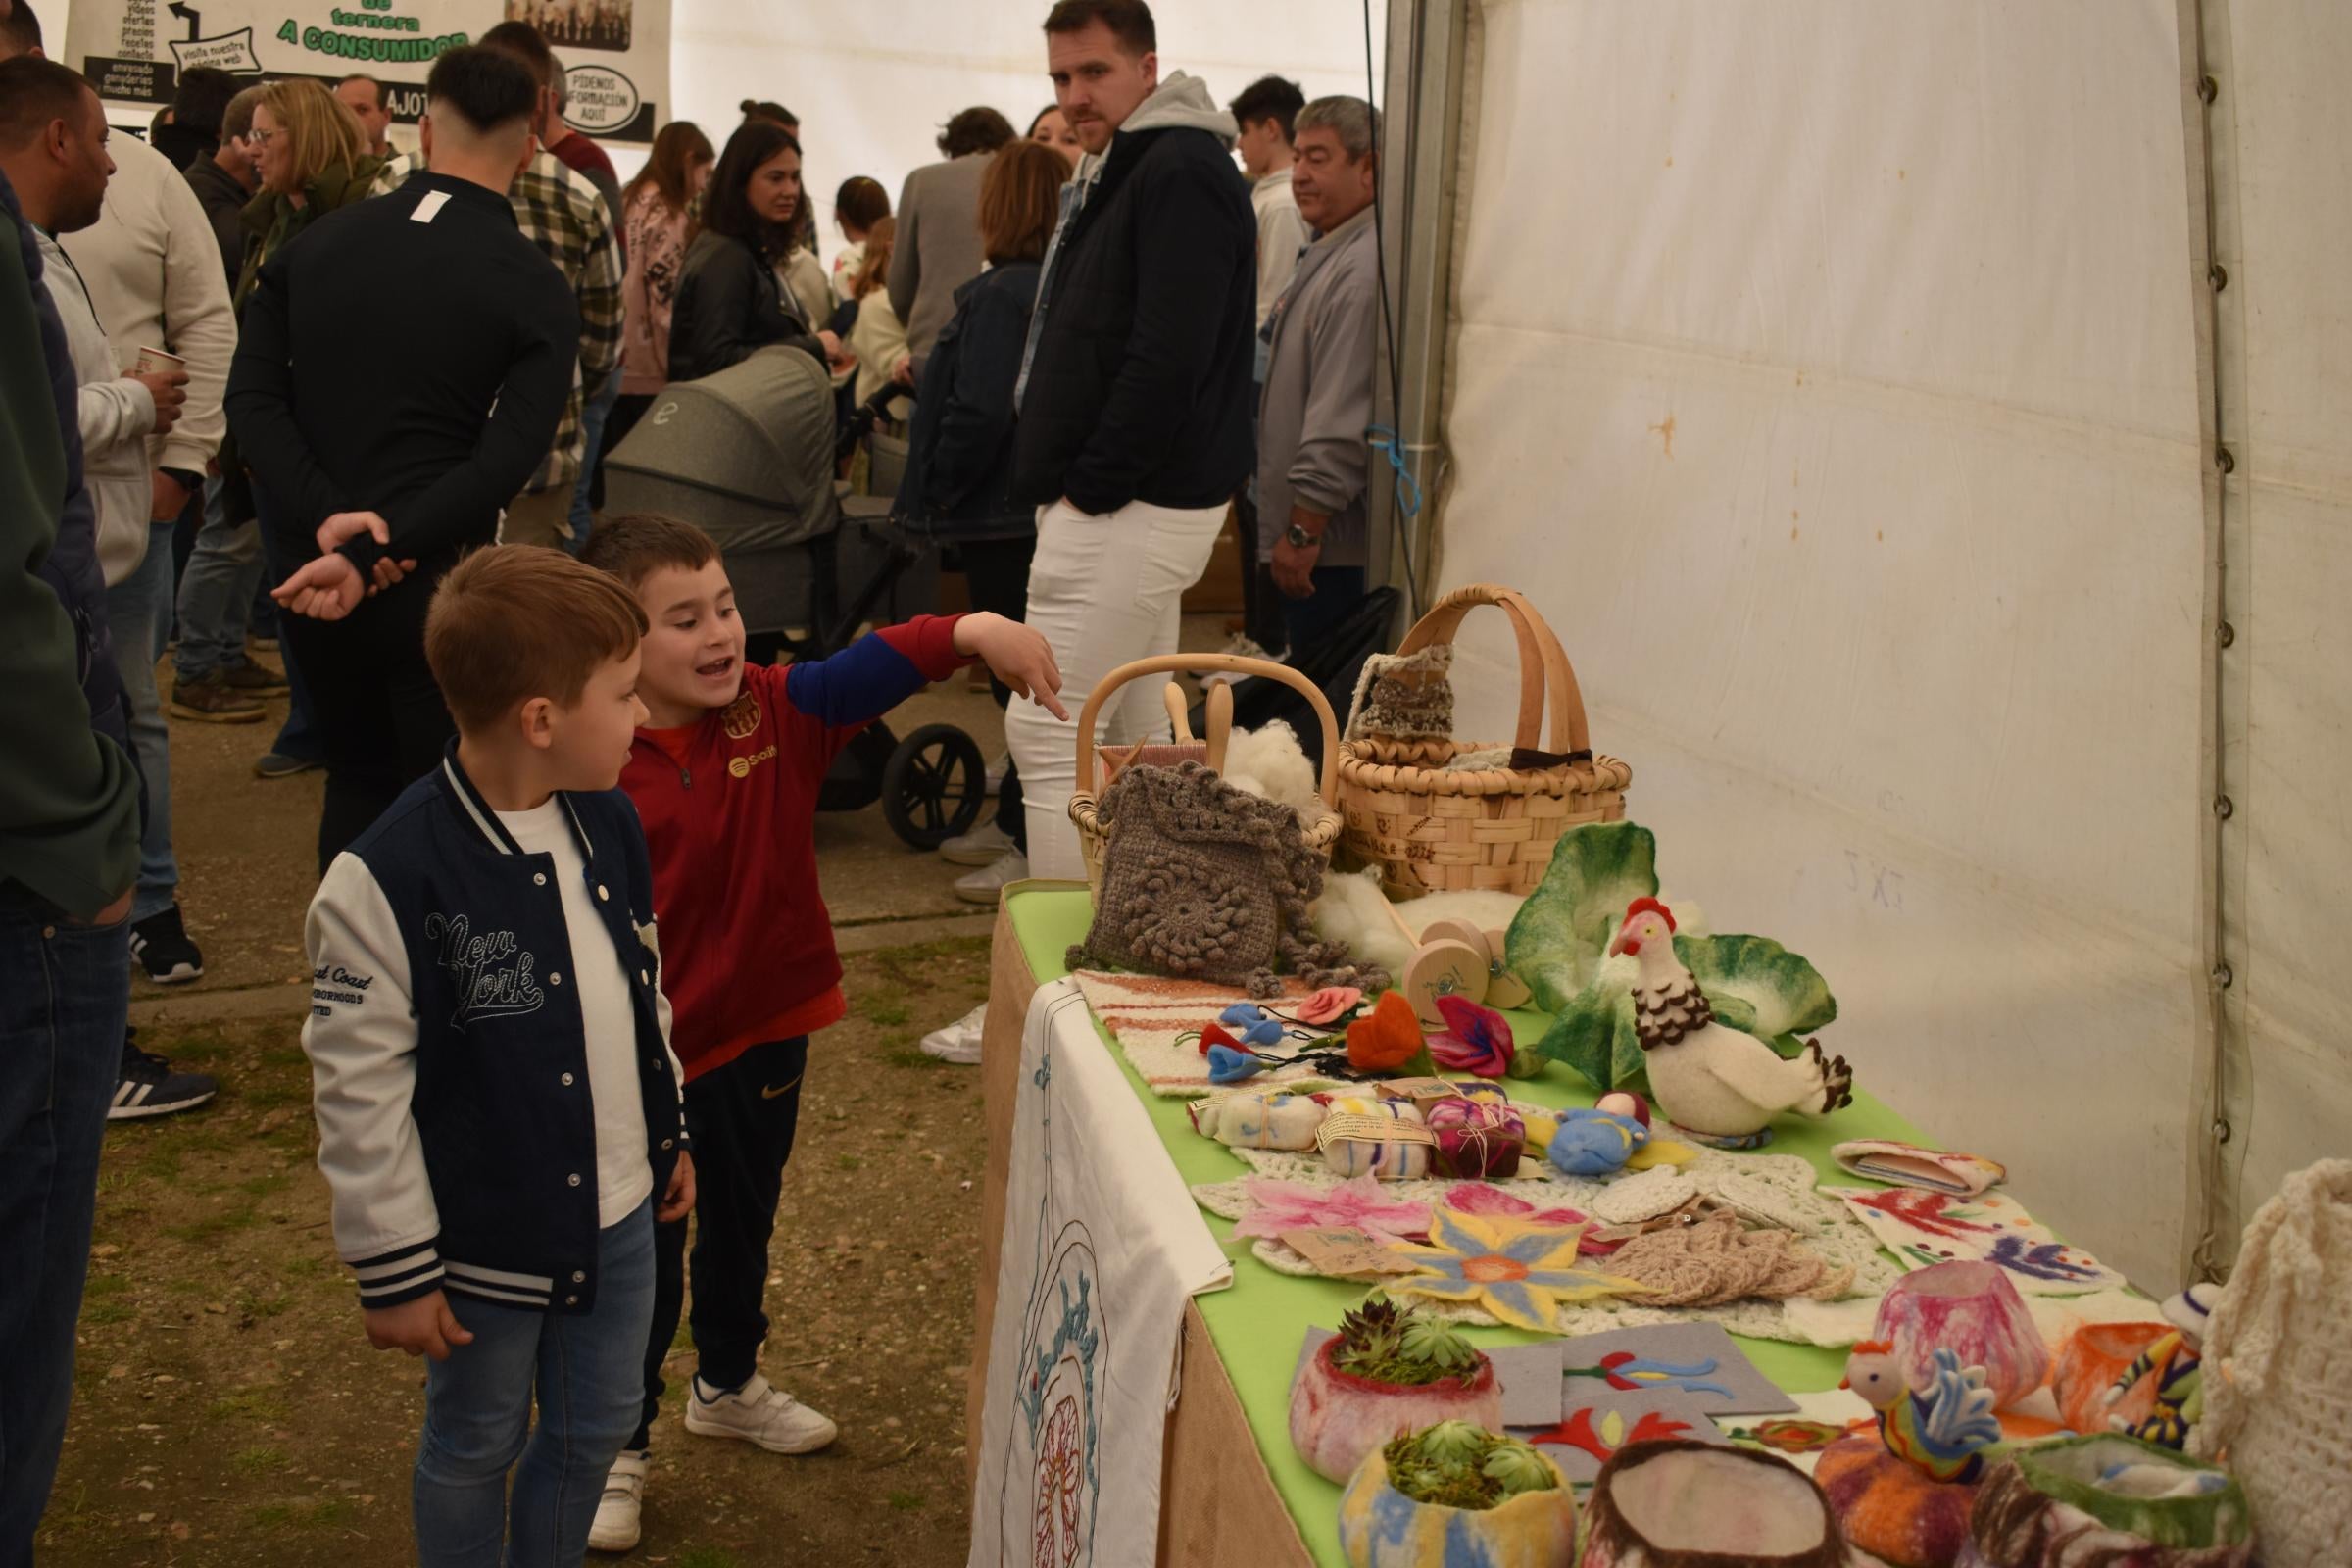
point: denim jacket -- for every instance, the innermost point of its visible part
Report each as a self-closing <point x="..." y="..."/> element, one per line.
<point x="448" y="1052"/>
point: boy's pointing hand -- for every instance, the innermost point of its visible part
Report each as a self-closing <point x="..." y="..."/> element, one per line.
<point x="1016" y="655"/>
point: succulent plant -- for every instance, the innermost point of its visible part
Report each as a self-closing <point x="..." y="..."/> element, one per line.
<point x="1384" y="1342"/>
<point x="1458" y="1465"/>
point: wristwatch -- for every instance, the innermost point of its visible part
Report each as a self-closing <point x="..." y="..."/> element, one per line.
<point x="1298" y="538"/>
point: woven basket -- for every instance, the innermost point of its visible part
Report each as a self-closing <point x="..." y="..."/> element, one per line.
<point x="1431" y="830"/>
<point x="1093" y="835"/>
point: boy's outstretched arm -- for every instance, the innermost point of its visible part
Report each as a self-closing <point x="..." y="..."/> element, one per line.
<point x="361" y="1041"/>
<point x="883" y="669"/>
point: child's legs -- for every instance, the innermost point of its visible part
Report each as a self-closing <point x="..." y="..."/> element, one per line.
<point x="751" y="1108"/>
<point x="591" y="1378"/>
<point x="669" y="1304"/>
<point x="478" y="1408"/>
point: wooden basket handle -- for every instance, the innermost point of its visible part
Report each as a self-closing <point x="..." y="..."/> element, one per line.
<point x="1220" y="716"/>
<point x="1543" y="667"/>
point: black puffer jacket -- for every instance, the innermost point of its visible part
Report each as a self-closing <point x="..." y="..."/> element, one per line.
<point x="960" y="452"/>
<point x="1139" y="387"/>
<point x="728" y="305"/>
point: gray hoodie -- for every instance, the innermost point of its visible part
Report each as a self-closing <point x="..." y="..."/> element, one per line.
<point x="1317" y="399"/>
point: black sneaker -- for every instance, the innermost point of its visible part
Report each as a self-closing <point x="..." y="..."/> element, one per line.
<point x="149" y="1087"/>
<point x="160" y="944"/>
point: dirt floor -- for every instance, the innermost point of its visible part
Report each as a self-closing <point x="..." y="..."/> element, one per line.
<point x="229" y="1409"/>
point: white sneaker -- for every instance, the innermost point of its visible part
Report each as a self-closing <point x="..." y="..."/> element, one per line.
<point x="980" y="846"/>
<point x="994" y="778"/>
<point x="982" y="886"/>
<point x="757" y="1412"/>
<point x="959" y="1042"/>
<point x="617" y="1527"/>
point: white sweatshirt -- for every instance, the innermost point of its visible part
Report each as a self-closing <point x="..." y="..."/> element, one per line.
<point x="117" y="414"/>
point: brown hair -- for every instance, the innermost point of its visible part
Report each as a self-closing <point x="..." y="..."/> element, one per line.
<point x="635" y="546"/>
<point x="874" y="271"/>
<point x="670" y="169"/>
<point x="1020" y="200"/>
<point x="775" y="113"/>
<point x="860" y="203"/>
<point x="319" y="131"/>
<point x="1129" y="22"/>
<point x="527" y="44"/>
<point x="517" y="621"/>
<point x="979" y="130"/>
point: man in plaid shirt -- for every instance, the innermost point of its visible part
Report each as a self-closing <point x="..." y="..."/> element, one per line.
<point x="561" y="214"/>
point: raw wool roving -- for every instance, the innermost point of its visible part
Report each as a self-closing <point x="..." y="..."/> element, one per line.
<point x="1206" y="881"/>
<point x="1269" y="762"/>
<point x="1404" y="697"/>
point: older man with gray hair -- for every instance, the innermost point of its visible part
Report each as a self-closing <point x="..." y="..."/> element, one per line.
<point x="1313" y="460"/>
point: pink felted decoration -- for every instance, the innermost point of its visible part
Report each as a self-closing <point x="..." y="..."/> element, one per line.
<point x="1475" y="1139"/>
<point x="1355" y="1204"/>
<point x="1971" y="1310"/>
<point x="1891" y="1508"/>
<point x="1327" y="1004"/>
<point x="1388" y="1039"/>
<point x="1476" y="1040"/>
<point x="1493" y="1202"/>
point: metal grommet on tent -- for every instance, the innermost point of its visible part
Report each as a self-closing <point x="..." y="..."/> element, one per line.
<point x="2223" y="807"/>
<point x="2208" y="89"/>
<point x="2223" y="975"/>
<point x="2224" y="634"/>
<point x="2225" y="459"/>
<point x="2218" y="275"/>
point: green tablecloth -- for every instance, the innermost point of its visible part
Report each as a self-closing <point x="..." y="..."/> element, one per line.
<point x="1257" y="1325"/>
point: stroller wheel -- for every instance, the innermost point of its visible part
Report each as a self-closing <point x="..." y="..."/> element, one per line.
<point x="934" y="785"/>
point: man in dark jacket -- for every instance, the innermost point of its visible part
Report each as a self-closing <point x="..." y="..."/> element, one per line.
<point x="396" y="471"/>
<point x="1135" y="394"/>
<point x="69" y="854"/>
<point x="223" y="180"/>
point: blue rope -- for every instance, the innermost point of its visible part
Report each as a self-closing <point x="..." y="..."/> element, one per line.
<point x="1390" y="446"/>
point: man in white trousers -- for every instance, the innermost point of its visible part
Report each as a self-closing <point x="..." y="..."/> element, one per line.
<point x="1135" y="392"/>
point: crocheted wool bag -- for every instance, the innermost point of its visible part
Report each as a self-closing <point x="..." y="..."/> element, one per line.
<point x="1202" y="881"/>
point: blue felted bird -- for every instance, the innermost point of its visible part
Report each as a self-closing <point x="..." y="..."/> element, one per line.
<point x="1947" y="1429"/>
<point x="1594" y="1143"/>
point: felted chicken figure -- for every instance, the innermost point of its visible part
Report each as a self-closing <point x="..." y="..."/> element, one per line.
<point x="1707" y="1076"/>
<point x="1947" y="1429"/>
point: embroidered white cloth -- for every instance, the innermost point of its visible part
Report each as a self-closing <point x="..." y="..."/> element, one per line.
<point x="1102" y="1248"/>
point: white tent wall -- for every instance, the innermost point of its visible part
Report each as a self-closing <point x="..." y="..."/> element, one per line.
<point x="1828" y="370"/>
<point x="2283" y="146"/>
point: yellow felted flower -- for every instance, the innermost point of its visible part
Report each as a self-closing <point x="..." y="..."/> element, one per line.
<point x="1520" y="1273"/>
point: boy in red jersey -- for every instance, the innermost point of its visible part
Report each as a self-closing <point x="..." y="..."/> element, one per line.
<point x="725" y="776"/>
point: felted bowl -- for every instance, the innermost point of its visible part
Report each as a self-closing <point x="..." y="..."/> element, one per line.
<point x="1891" y="1509"/>
<point x="1381" y="1527"/>
<point x="1337" y="1417"/>
<point x="2043" y="1507"/>
<point x="2092" y="1357"/>
<point x="1684" y="1504"/>
<point x="1971" y="1310"/>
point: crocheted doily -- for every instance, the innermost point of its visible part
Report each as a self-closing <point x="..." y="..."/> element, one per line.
<point x="1776" y="1189"/>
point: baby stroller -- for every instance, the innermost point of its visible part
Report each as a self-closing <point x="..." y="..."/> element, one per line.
<point x="747" y="454"/>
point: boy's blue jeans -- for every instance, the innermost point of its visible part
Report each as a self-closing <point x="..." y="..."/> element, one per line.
<point x="64" y="990"/>
<point x="589" y="1373"/>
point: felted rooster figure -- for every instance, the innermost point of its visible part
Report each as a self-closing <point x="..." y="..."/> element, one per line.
<point x="1706" y="1076"/>
<point x="1947" y="1429"/>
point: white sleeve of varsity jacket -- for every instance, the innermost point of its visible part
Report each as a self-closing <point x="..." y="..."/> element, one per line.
<point x="677" y="1070"/>
<point x="361" y="1041"/>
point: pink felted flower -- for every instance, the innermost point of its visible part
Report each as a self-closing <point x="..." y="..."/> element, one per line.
<point x="1358" y="1203"/>
<point x="1476" y="1040"/>
<point x="1327" y="1004"/>
<point x="1479" y="1198"/>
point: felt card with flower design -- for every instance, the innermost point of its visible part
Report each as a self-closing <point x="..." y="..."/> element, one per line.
<point x="1924" y="1228"/>
<point x="1599" y="1421"/>
<point x="1699" y="1360"/>
<point x="1520" y="1273"/>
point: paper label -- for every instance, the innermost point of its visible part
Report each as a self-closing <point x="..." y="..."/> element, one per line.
<point x="1344" y="1252"/>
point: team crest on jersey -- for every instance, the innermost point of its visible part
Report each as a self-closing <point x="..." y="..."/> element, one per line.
<point x="742" y="717"/>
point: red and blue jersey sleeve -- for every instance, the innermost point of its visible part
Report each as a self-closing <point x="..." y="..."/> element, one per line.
<point x="875" y="674"/>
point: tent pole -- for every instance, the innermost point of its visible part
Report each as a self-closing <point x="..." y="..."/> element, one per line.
<point x="1420" y="161"/>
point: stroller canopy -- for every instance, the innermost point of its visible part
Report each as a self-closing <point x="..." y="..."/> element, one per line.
<point x="746" y="455"/>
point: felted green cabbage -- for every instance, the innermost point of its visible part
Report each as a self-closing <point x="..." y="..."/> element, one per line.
<point x="1559" y="942"/>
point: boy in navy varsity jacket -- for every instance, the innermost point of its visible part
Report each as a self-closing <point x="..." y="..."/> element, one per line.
<point x="725" y="776"/>
<point x="497" y="1105"/>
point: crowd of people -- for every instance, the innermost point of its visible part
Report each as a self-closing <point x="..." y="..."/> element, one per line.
<point x="541" y="737"/>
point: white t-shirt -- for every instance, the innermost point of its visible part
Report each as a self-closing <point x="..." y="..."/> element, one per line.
<point x="624" y="1175"/>
<point x="1280" y="235"/>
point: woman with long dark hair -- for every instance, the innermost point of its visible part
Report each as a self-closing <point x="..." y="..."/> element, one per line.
<point x="657" y="219"/>
<point x="729" y="303"/>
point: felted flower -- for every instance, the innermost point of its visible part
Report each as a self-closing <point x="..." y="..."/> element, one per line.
<point x="1227" y="1065"/>
<point x="1356" y="1204"/>
<point x="1327" y="1004"/>
<point x="1520" y="1273"/>
<point x="1479" y="1198"/>
<point x="1218" y="1035"/>
<point x="1476" y="1040"/>
<point x="1388" y="1039"/>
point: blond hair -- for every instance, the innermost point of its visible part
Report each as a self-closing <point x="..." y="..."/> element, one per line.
<point x="320" y="130"/>
<point x="511" y="622"/>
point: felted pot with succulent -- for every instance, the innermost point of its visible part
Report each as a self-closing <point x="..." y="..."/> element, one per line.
<point x="1389" y="1370"/>
<point x="1458" y="1493"/>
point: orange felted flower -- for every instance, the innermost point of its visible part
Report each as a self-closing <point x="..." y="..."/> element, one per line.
<point x="1386" y="1040"/>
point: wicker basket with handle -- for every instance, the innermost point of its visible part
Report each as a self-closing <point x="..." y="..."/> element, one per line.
<point x="1321" y="831"/>
<point x="1434" y="829"/>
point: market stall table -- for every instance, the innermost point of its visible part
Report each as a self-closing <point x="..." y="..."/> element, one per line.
<point x="1233" y="1490"/>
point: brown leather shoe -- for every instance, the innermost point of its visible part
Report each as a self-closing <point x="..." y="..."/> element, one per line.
<point x="208" y="700"/>
<point x="252" y="679"/>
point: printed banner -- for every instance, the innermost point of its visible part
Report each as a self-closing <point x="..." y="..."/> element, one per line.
<point x="615" y="52"/>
